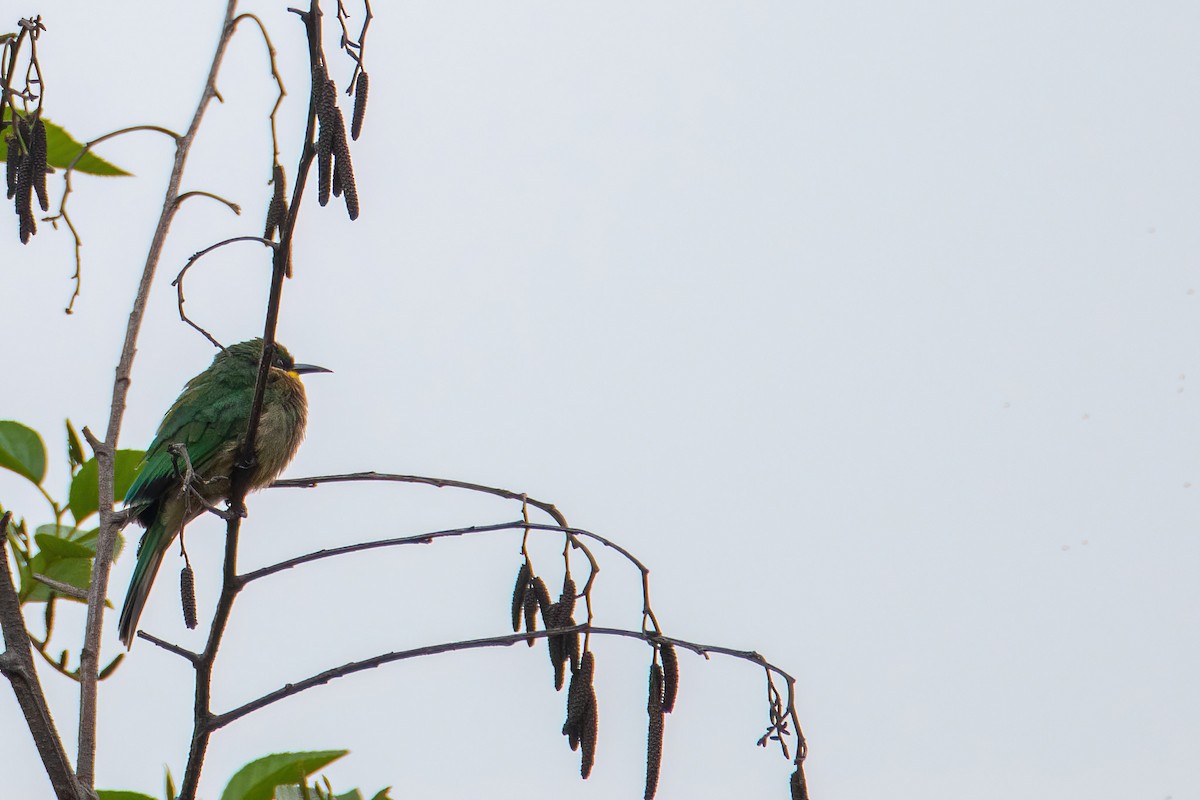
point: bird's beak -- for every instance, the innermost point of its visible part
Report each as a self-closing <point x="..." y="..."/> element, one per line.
<point x="304" y="369"/>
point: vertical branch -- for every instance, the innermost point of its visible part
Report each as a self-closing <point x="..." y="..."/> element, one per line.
<point x="204" y="721"/>
<point x="109" y="525"/>
<point x="16" y="664"/>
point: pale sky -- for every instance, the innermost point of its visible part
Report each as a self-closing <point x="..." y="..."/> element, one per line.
<point x="871" y="328"/>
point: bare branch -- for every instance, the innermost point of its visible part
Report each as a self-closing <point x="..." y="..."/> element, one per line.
<point x="67" y="188"/>
<point x="60" y="587"/>
<point x="441" y="483"/>
<point x="274" y="74"/>
<point x="190" y="656"/>
<point x="239" y="480"/>
<point x="16" y="664"/>
<point x="232" y="206"/>
<point x="90" y="653"/>
<point x="507" y="640"/>
<point x="178" y="282"/>
<point x="549" y="508"/>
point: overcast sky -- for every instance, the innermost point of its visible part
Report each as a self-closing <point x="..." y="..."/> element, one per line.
<point x="871" y="328"/>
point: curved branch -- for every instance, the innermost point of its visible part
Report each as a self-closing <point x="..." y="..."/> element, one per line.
<point x="440" y="483"/>
<point x="549" y="508"/>
<point x="98" y="590"/>
<point x="16" y="664"/>
<point x="507" y="640"/>
<point x="178" y="282"/>
<point x="239" y="479"/>
<point x="232" y="206"/>
<point x="274" y="74"/>
<point x="67" y="188"/>
<point x="426" y="538"/>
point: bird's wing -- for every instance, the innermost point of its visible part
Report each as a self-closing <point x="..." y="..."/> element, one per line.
<point x="206" y="419"/>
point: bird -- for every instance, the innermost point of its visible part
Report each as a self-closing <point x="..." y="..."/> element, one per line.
<point x="209" y="420"/>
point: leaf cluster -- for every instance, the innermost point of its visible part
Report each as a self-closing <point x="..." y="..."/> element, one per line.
<point x="279" y="776"/>
<point x="61" y="550"/>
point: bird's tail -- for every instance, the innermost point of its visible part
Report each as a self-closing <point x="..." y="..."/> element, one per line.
<point x="153" y="547"/>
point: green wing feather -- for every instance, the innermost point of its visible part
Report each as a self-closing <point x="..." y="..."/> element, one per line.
<point x="207" y="416"/>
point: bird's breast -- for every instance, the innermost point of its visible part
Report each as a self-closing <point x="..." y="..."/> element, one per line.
<point x="281" y="428"/>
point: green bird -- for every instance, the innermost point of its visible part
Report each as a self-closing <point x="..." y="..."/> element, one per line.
<point x="209" y="419"/>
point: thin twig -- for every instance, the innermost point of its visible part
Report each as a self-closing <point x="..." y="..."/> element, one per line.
<point x="90" y="653"/>
<point x="232" y="206"/>
<point x="16" y="664"/>
<point x="60" y="587"/>
<point x="274" y="74"/>
<point x="67" y="188"/>
<point x="178" y="282"/>
<point x="507" y="640"/>
<point x="239" y="479"/>
<point x="189" y="655"/>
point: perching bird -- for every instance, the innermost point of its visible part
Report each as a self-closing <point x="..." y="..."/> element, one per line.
<point x="209" y="418"/>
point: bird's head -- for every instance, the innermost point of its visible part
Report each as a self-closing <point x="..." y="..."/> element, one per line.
<point x="249" y="353"/>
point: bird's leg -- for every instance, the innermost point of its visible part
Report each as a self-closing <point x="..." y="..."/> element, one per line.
<point x="190" y="478"/>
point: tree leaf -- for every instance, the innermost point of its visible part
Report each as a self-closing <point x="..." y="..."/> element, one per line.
<point x="88" y="540"/>
<point x="61" y="149"/>
<point x="121" y="794"/>
<point x="294" y="792"/>
<point x="74" y="447"/>
<point x="85" y="486"/>
<point x="56" y="546"/>
<point x="74" y="571"/>
<point x="258" y="779"/>
<point x="21" y="449"/>
<point x="382" y="794"/>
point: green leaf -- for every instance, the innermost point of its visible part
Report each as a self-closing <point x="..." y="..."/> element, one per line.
<point x="88" y="539"/>
<point x="74" y="447"/>
<point x="56" y="546"/>
<point x="382" y="794"/>
<point x="74" y="571"/>
<point x="170" y="787"/>
<point x="21" y="449"/>
<point x="61" y="149"/>
<point x="294" y="792"/>
<point x="121" y="794"/>
<point x="85" y="487"/>
<point x="258" y="779"/>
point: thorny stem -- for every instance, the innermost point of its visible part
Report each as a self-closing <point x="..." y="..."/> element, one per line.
<point x="90" y="653"/>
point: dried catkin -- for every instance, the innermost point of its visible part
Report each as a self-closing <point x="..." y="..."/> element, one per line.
<point x="24" y="199"/>
<point x="531" y="609"/>
<point x="518" y="595"/>
<point x="670" y="665"/>
<point x="13" y="165"/>
<point x="567" y="598"/>
<point x="798" y="785"/>
<point x="578" y="694"/>
<point x="324" y="163"/>
<point x="37" y="153"/>
<point x="187" y="594"/>
<point x="654" y="733"/>
<point x="277" y="210"/>
<point x="588" y="735"/>
<point x="360" y="105"/>
<point x="542" y="594"/>
<point x="557" y="645"/>
<point x="343" y="169"/>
